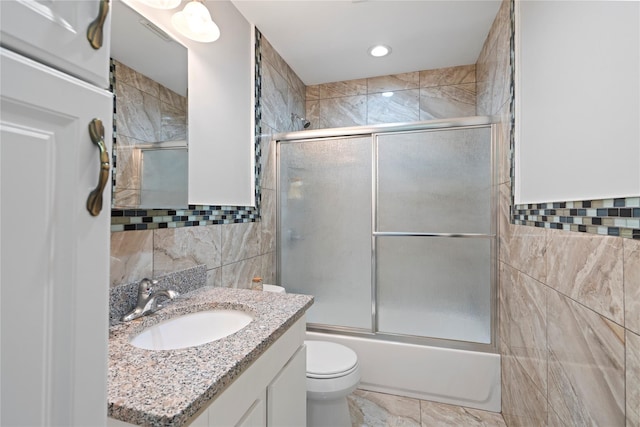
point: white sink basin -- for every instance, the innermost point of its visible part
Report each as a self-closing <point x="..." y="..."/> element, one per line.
<point x="192" y="329"/>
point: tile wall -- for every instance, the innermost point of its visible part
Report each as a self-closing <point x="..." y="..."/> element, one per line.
<point x="569" y="301"/>
<point x="146" y="113"/>
<point x="407" y="97"/>
<point x="232" y="250"/>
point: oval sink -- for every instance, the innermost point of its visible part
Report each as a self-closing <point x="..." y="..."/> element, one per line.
<point x="192" y="329"/>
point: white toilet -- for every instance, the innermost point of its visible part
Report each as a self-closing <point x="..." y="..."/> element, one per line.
<point x="332" y="374"/>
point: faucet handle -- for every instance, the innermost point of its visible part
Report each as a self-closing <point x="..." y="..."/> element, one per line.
<point x="145" y="288"/>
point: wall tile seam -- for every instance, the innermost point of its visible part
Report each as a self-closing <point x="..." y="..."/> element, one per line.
<point x="243" y="259"/>
<point x="551" y="288"/>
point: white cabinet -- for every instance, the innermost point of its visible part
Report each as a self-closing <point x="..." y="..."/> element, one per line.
<point x="55" y="33"/>
<point x="54" y="255"/>
<point x="287" y="393"/>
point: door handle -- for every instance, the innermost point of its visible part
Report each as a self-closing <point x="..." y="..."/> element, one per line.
<point x="94" y="202"/>
<point x="95" y="31"/>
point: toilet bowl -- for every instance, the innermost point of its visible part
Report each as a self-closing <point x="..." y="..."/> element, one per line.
<point x="332" y="374"/>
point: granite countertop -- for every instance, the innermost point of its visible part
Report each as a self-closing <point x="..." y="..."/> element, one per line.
<point x="168" y="387"/>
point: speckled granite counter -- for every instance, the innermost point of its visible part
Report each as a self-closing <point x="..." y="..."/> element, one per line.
<point x="169" y="387"/>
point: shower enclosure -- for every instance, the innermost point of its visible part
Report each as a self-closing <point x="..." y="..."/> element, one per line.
<point x="392" y="228"/>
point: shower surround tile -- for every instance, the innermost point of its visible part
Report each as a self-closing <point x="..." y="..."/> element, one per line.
<point x="341" y="112"/>
<point x="138" y="114"/>
<point x="448" y="76"/>
<point x="393" y="82"/>
<point x="632" y="285"/>
<point x="137" y="80"/>
<point x="275" y="99"/>
<point x="524" y="248"/>
<point x="344" y="88"/>
<point x="402" y="106"/>
<point x="268" y="223"/>
<point x="447" y="101"/>
<point x="181" y="248"/>
<point x="267" y="158"/>
<point x="633" y="379"/>
<point x="439" y="414"/>
<point x="589" y="270"/>
<point x="586" y="365"/>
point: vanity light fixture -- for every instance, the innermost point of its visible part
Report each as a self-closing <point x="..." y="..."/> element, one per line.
<point x="379" y="51"/>
<point x="195" y="22"/>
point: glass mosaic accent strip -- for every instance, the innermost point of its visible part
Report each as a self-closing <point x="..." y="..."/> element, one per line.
<point x="193" y="215"/>
<point x="608" y="217"/>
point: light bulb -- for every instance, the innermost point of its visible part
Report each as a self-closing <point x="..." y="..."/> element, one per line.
<point x="195" y="22"/>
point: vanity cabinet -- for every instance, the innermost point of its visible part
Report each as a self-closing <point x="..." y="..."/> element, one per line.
<point x="55" y="33"/>
<point x="271" y="392"/>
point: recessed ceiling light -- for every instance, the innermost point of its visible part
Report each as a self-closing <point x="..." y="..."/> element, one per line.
<point x="379" y="51"/>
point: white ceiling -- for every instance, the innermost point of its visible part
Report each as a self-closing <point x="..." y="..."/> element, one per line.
<point x="327" y="41"/>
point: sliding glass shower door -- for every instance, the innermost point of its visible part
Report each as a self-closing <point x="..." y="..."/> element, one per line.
<point x="393" y="232"/>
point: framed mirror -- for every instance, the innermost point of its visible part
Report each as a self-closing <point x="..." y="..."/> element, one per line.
<point x="149" y="72"/>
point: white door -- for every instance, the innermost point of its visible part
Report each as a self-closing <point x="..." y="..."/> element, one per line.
<point x="53" y="254"/>
<point x="54" y="32"/>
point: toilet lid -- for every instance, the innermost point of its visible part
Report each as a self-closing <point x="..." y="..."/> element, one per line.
<point x="327" y="359"/>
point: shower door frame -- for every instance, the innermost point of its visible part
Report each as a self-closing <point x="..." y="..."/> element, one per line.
<point x="396" y="128"/>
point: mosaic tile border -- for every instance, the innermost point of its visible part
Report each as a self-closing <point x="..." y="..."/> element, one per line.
<point x="193" y="215"/>
<point x="618" y="217"/>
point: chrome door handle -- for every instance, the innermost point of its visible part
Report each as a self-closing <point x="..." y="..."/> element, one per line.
<point x="96" y="28"/>
<point x="94" y="202"/>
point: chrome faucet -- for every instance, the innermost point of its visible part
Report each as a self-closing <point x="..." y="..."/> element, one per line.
<point x="148" y="299"/>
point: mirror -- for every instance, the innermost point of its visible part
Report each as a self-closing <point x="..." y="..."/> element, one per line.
<point x="151" y="148"/>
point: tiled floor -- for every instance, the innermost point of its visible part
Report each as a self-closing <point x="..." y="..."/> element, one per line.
<point x="369" y="409"/>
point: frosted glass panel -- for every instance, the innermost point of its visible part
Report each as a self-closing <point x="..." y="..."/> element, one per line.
<point x="435" y="287"/>
<point x="325" y="228"/>
<point x="435" y="181"/>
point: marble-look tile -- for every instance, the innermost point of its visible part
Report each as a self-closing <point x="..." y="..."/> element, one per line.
<point x="448" y="101"/>
<point x="393" y="82"/>
<point x="125" y="198"/>
<point x="524" y="248"/>
<point x="632" y="284"/>
<point x="448" y="76"/>
<point x="131" y="256"/>
<point x="524" y="315"/>
<point x="128" y="165"/>
<point x="344" y="88"/>
<point x="272" y="57"/>
<point x="126" y="74"/>
<point x="493" y="74"/>
<point x="522" y="403"/>
<point x="268" y="221"/>
<point x="377" y="409"/>
<point x="267" y="158"/>
<point x="214" y="277"/>
<point x="181" y="248"/>
<point x="402" y="106"/>
<point x="587" y="268"/>
<point x="268" y="269"/>
<point x="239" y="274"/>
<point x="633" y="379"/>
<point x="274" y="99"/>
<point x="313" y="93"/>
<point x="586" y="364"/>
<point x="553" y="419"/>
<point x="504" y="145"/>
<point x="240" y="241"/>
<point x="507" y="279"/>
<point x="137" y="114"/>
<point x="440" y="414"/>
<point x="173" y="123"/>
<point x="340" y="112"/>
<point x="313" y="114"/>
<point x="504" y="217"/>
<point x="172" y="98"/>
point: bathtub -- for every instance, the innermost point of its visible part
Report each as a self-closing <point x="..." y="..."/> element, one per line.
<point x="457" y="377"/>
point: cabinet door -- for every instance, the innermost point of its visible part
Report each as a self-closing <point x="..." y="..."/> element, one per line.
<point x="55" y="33"/>
<point x="256" y="416"/>
<point x="54" y="267"/>
<point x="287" y="393"/>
